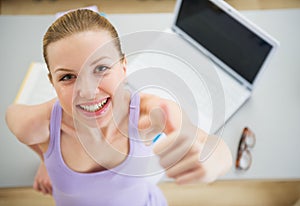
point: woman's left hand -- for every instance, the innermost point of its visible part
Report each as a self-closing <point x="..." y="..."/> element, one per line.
<point x="42" y="182"/>
<point x="180" y="151"/>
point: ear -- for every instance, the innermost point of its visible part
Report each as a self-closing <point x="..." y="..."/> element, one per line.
<point x="124" y="64"/>
<point x="50" y="78"/>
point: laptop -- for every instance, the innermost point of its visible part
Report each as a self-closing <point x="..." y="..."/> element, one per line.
<point x="225" y="41"/>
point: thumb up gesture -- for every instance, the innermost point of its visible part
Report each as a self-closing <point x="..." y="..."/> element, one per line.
<point x="181" y="149"/>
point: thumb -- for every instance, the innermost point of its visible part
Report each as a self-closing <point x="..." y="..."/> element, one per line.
<point x="171" y="118"/>
<point x="167" y="117"/>
<point x="176" y="121"/>
<point x="161" y="121"/>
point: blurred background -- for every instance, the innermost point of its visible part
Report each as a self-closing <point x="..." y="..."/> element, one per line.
<point x="24" y="7"/>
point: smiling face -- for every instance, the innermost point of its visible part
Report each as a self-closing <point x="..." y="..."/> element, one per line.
<point x="86" y="71"/>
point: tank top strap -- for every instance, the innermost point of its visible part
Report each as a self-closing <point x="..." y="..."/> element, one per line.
<point x="134" y="109"/>
<point x="55" y="124"/>
<point x="134" y="116"/>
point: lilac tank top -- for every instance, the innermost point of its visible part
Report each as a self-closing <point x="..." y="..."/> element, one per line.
<point x="123" y="185"/>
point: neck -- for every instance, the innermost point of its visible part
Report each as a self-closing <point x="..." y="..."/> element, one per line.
<point x="119" y="122"/>
<point x="111" y="140"/>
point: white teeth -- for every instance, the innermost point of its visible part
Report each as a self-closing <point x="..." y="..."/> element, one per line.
<point x="94" y="107"/>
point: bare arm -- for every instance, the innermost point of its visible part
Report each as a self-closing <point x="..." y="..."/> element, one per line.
<point x="37" y="150"/>
<point x="216" y="158"/>
<point x="188" y="154"/>
<point x="30" y="123"/>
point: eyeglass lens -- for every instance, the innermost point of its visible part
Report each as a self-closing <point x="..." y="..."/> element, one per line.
<point x="244" y="157"/>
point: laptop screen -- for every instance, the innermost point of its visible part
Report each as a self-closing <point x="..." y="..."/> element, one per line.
<point x="226" y="38"/>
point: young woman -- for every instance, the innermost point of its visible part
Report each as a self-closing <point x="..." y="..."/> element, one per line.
<point x="88" y="138"/>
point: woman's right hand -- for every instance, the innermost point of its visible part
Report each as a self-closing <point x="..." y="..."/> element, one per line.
<point x="42" y="182"/>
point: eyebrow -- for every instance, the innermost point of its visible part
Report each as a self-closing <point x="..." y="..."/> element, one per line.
<point x="99" y="59"/>
<point x="92" y="64"/>
<point x="63" y="70"/>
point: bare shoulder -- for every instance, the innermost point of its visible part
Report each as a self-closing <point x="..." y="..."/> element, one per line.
<point x="30" y="123"/>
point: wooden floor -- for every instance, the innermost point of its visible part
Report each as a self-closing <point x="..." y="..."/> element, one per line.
<point x="273" y="193"/>
<point x="225" y="193"/>
<point x="126" y="6"/>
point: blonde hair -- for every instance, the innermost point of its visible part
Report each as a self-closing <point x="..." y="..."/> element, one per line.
<point x="75" y="22"/>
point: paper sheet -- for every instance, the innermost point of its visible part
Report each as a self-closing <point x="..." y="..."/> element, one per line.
<point x="36" y="87"/>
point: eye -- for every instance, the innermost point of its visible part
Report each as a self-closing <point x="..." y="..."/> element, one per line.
<point x="100" y="69"/>
<point x="67" y="77"/>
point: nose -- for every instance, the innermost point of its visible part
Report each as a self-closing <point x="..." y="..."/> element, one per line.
<point x="87" y="87"/>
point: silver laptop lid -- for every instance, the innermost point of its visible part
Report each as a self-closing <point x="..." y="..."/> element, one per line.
<point x="238" y="46"/>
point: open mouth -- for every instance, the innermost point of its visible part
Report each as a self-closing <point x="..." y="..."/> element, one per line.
<point x="95" y="107"/>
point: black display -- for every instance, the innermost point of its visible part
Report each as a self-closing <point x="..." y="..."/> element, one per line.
<point x="230" y="41"/>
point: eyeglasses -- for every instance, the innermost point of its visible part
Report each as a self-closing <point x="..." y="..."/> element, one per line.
<point x="244" y="158"/>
